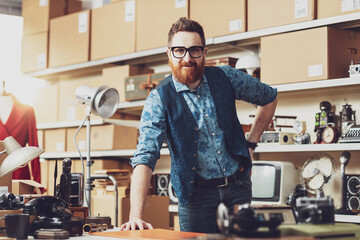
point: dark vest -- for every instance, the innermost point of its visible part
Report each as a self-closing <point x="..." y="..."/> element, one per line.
<point x="182" y="130"/>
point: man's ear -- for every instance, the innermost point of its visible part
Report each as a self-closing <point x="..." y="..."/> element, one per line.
<point x="168" y="51"/>
<point x="205" y="51"/>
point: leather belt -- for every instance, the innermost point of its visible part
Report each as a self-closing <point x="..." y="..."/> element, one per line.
<point x="219" y="182"/>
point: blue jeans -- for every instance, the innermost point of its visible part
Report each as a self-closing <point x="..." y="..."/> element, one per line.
<point x="199" y="215"/>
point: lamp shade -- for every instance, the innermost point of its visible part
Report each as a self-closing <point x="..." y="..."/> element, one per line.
<point x="17" y="156"/>
<point x="248" y="62"/>
<point x="102" y="100"/>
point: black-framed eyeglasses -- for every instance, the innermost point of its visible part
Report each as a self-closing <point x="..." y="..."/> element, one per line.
<point x="194" y="51"/>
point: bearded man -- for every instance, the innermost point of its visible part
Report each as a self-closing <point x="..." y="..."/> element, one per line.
<point x="194" y="109"/>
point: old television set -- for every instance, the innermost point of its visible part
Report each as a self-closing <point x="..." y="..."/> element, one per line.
<point x="273" y="182"/>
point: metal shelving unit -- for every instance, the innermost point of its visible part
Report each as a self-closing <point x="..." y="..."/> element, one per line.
<point x="228" y="41"/>
<point x="224" y="42"/>
<point x="283" y="88"/>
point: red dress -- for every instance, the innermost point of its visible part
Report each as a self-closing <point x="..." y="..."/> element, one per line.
<point x="21" y="125"/>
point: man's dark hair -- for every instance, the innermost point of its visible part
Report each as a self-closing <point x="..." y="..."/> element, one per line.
<point x="186" y="25"/>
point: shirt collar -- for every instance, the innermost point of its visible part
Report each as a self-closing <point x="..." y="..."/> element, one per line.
<point x="180" y="87"/>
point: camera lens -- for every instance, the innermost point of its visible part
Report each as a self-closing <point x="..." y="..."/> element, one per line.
<point x="310" y="214"/>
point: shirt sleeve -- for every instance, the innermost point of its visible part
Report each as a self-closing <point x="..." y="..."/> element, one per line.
<point x="249" y="88"/>
<point x="152" y="132"/>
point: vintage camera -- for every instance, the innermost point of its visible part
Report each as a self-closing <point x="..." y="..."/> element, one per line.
<point x="315" y="210"/>
<point x="354" y="70"/>
<point x="9" y="201"/>
<point x="300" y="191"/>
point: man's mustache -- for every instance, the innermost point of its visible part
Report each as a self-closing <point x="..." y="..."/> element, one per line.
<point x="188" y="64"/>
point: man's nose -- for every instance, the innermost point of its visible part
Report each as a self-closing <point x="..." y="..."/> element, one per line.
<point x="187" y="56"/>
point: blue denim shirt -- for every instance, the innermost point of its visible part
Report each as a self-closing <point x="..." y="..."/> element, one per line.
<point x="213" y="158"/>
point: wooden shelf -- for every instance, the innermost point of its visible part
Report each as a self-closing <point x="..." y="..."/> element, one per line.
<point x="347" y="218"/>
<point x="261" y="149"/>
<point x="329" y="83"/>
<point x="96" y="154"/>
<point x="308" y="147"/>
<point x="43" y="126"/>
<point x="228" y="41"/>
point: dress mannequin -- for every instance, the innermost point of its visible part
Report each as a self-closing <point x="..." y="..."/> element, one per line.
<point x="6" y="104"/>
<point x="18" y="120"/>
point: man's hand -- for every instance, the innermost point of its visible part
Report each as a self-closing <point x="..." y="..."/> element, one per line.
<point x="135" y="224"/>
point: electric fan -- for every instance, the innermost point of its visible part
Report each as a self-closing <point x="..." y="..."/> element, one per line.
<point x="317" y="172"/>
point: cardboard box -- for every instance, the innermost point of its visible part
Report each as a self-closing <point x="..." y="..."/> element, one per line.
<point x="73" y="6"/>
<point x="156" y="210"/>
<point x="44" y="170"/>
<point x="113" y="137"/>
<point x="265" y="13"/>
<point x="99" y="164"/>
<point x="314" y="54"/>
<point x="332" y="8"/>
<point x="154" y="19"/>
<point x="80" y="139"/>
<point x="55" y="140"/>
<point x="20" y="187"/>
<point x="34" y="52"/>
<point x="113" y="30"/>
<point x="115" y="77"/>
<point x="5" y="181"/>
<point x="37" y="13"/>
<point x="69" y="39"/>
<point x="69" y="109"/>
<point x="215" y="22"/>
<point x="46" y="104"/>
<point x="40" y="137"/>
<point x="176" y="223"/>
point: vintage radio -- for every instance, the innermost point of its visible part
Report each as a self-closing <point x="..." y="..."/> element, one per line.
<point x="221" y="61"/>
<point x="138" y="87"/>
<point x="275" y="137"/>
<point x="352" y="192"/>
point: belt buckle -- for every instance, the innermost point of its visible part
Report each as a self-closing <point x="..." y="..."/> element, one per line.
<point x="225" y="184"/>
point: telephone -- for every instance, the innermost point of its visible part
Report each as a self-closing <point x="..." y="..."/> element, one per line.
<point x="48" y="207"/>
<point x="53" y="212"/>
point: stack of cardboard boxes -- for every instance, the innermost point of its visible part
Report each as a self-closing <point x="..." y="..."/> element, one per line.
<point x="37" y="15"/>
<point x="127" y="26"/>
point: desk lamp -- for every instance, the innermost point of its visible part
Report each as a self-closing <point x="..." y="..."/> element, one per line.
<point x="248" y="62"/>
<point x="17" y="156"/>
<point x="102" y="101"/>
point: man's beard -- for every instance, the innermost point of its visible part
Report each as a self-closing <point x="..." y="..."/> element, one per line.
<point x="186" y="75"/>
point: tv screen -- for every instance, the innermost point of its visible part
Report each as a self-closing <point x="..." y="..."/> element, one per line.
<point x="273" y="182"/>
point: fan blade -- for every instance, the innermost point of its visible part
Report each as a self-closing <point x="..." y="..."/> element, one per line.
<point x="326" y="166"/>
<point x="316" y="182"/>
<point x="310" y="169"/>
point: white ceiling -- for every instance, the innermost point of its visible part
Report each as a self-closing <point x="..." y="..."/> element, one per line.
<point x="11" y="7"/>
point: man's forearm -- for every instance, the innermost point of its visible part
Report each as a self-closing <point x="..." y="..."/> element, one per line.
<point x="139" y="187"/>
<point x="263" y="116"/>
